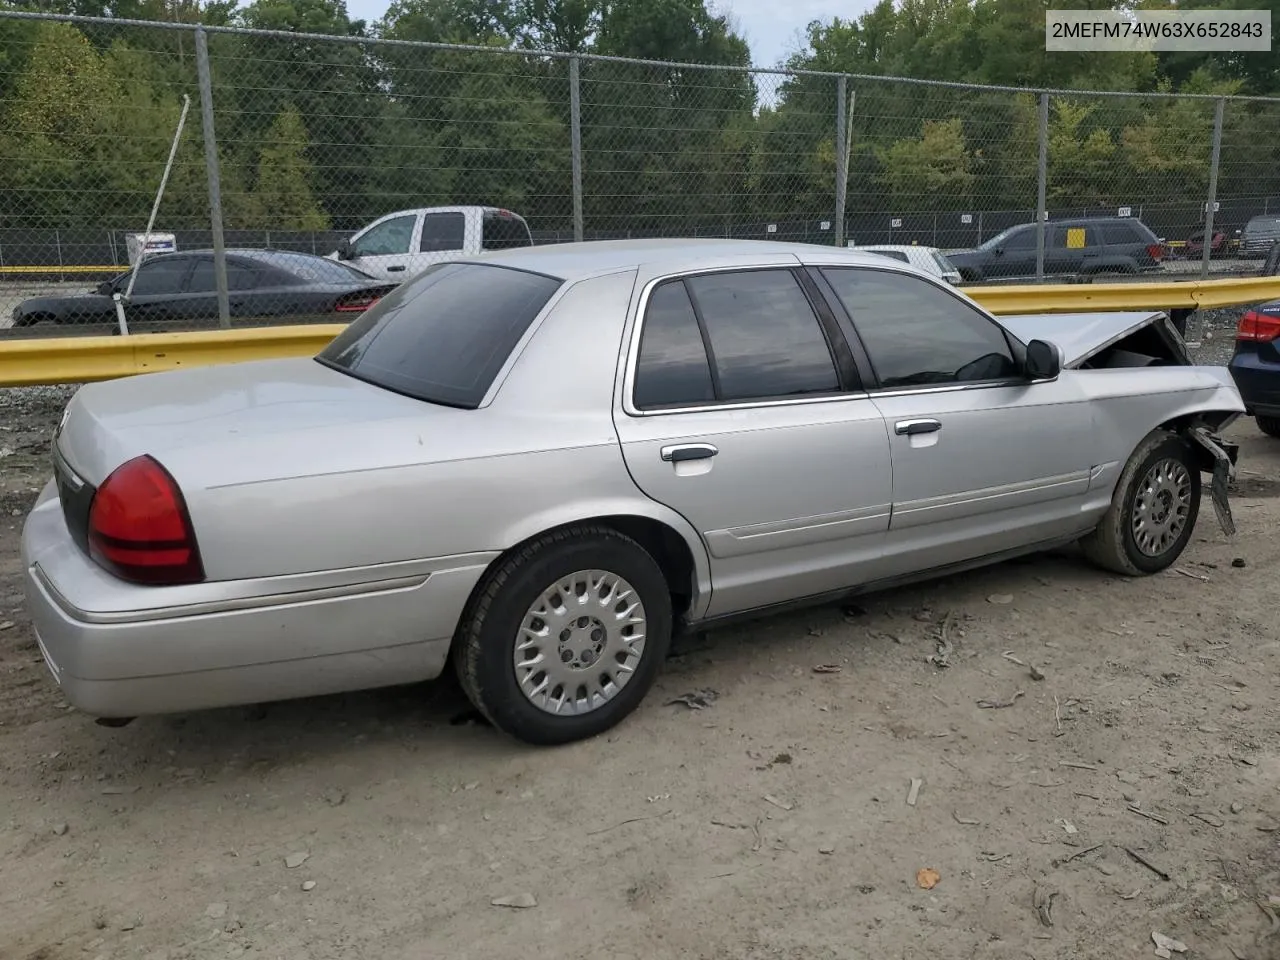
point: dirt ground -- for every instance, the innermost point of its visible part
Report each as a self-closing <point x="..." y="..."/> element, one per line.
<point x="1134" y="788"/>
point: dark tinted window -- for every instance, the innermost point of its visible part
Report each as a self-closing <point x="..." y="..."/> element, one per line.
<point x="1119" y="233"/>
<point x="304" y="268"/>
<point x="891" y="254"/>
<point x="504" y="231"/>
<point x="157" y="277"/>
<point x="672" y="368"/>
<point x="916" y="333"/>
<point x="1021" y="240"/>
<point x="204" y="280"/>
<point x="764" y="337"/>
<point x="444" y="335"/>
<point x="442" y="231"/>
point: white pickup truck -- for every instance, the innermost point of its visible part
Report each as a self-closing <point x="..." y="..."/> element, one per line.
<point x="401" y="244"/>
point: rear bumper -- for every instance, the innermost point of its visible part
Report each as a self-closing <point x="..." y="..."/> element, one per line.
<point x="258" y="646"/>
<point x="1258" y="381"/>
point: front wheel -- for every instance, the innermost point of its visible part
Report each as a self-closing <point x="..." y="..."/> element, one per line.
<point x="1152" y="512"/>
<point x="1269" y="425"/>
<point x="566" y="636"/>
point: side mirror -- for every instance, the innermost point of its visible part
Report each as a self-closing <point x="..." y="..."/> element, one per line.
<point x="1044" y="360"/>
<point x="105" y="289"/>
<point x="344" y="250"/>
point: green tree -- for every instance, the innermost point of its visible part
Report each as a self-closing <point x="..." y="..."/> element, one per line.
<point x="282" y="194"/>
<point x="937" y="163"/>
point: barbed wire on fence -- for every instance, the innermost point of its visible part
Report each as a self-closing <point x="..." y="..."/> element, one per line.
<point x="314" y="137"/>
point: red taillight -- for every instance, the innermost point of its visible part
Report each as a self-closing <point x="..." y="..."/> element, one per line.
<point x="358" y="304"/>
<point x="139" y="528"/>
<point x="1156" y="251"/>
<point x="1258" y="327"/>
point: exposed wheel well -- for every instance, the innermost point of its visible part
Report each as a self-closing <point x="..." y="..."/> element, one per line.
<point x="666" y="547"/>
<point x="1213" y="419"/>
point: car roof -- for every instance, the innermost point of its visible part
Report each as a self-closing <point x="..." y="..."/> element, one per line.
<point x="904" y="247"/>
<point x="574" y="261"/>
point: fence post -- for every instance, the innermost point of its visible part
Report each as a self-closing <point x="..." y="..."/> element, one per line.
<point x="1207" y="244"/>
<point x="215" y="181"/>
<point x="1042" y="184"/>
<point x="843" y="117"/>
<point x="575" y="143"/>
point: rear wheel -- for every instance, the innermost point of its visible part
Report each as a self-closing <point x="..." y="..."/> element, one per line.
<point x="1153" y="510"/>
<point x="566" y="636"/>
<point x="1269" y="425"/>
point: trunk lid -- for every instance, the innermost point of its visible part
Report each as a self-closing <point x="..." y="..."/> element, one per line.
<point x="239" y="422"/>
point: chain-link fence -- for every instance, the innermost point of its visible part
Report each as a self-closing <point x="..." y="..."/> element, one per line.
<point x="299" y="147"/>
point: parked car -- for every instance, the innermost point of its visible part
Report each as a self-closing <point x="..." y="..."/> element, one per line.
<point x="1193" y="249"/>
<point x="1258" y="236"/>
<point x="540" y="463"/>
<point x="406" y="242"/>
<point x="182" y="287"/>
<point x="1255" y="365"/>
<point x="929" y="259"/>
<point x="1084" y="247"/>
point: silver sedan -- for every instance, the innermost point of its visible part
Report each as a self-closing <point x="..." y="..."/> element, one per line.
<point x="540" y="463"/>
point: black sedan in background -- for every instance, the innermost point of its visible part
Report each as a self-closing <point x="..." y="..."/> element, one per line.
<point x="182" y="288"/>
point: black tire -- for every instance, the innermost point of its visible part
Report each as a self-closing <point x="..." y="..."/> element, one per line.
<point x="1113" y="545"/>
<point x="485" y="644"/>
<point x="1268" y="425"/>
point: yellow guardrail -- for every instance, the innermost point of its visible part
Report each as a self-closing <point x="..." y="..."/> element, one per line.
<point x="49" y="360"/>
<point x="55" y="360"/>
<point x="45" y="271"/>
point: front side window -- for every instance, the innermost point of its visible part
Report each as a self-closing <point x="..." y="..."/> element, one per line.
<point x="444" y="335"/>
<point x="159" y="277"/>
<point x="918" y="334"/>
<point x="204" y="279"/>
<point x="389" y="238"/>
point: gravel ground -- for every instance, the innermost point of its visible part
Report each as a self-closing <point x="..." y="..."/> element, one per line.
<point x="1135" y="788"/>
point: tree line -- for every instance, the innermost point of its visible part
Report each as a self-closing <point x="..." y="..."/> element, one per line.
<point x="319" y="135"/>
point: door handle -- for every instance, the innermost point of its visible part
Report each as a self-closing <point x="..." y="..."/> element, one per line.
<point x="909" y="428"/>
<point x="399" y="269"/>
<point x="688" y="451"/>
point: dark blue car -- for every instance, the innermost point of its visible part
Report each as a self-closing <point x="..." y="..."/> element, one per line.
<point x="1255" y="366"/>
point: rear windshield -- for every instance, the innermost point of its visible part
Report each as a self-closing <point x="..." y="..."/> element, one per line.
<point x="444" y="335"/>
<point x="945" y="265"/>
<point x="501" y="232"/>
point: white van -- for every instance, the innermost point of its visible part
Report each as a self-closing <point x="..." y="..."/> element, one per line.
<point x="401" y="244"/>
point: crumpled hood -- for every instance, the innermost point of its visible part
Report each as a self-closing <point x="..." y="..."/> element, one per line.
<point x="1079" y="335"/>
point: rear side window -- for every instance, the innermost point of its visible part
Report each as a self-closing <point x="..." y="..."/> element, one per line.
<point x="444" y="335"/>
<point x="239" y="277"/>
<point x="1118" y="233"/>
<point x="672" y="369"/>
<point x="442" y="231"/>
<point x="502" y="232"/>
<point x="753" y="332"/>
<point x="159" y="277"/>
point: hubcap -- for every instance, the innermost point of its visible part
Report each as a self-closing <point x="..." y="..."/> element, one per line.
<point x="1161" y="507"/>
<point x="580" y="642"/>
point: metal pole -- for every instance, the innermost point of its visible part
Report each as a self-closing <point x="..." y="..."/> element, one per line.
<point x="1042" y="184"/>
<point x="1207" y="243"/>
<point x="575" y="144"/>
<point x="215" y="180"/>
<point x="843" y="116"/>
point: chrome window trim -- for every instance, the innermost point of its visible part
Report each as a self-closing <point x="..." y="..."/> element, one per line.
<point x="890" y="266"/>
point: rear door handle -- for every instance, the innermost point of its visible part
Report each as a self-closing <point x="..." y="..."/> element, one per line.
<point x="688" y="451"/>
<point x="909" y="428"/>
<point x="399" y="269"/>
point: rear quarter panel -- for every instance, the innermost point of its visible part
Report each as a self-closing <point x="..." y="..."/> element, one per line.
<point x="540" y="453"/>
